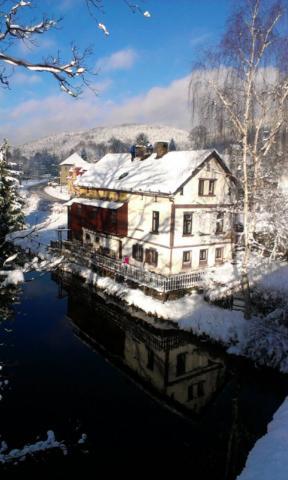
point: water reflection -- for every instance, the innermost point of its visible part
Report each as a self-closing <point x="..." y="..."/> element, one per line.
<point x="164" y="362"/>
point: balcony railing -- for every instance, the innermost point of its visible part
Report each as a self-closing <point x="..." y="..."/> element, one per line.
<point x="76" y="252"/>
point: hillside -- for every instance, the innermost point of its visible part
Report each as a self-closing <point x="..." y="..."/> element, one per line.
<point x="63" y="144"/>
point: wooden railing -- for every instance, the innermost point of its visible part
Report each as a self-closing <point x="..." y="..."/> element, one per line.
<point x="76" y="252"/>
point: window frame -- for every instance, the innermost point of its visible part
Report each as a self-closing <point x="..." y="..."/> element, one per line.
<point x="219" y="223"/>
<point x="138" y="252"/>
<point x="186" y="263"/>
<point x="155" y="221"/>
<point x="219" y="259"/>
<point x="185" y="222"/>
<point x="154" y="257"/>
<point x="210" y="187"/>
<point x="203" y="261"/>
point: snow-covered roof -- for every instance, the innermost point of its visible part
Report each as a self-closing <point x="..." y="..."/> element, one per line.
<point x="115" y="171"/>
<point x="95" y="203"/>
<point x="76" y="160"/>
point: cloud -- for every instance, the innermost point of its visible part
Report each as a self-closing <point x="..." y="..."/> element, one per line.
<point x="121" y="60"/>
<point x="24" y="80"/>
<point x="34" y="119"/>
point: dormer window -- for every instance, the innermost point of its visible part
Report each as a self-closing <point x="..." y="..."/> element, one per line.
<point x="206" y="187"/>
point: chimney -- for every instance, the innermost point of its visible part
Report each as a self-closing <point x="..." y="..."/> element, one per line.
<point x="160" y="148"/>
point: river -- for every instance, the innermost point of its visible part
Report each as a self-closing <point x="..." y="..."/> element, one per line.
<point x="76" y="363"/>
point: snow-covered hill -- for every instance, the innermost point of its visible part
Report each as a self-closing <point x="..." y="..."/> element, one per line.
<point x="62" y="144"/>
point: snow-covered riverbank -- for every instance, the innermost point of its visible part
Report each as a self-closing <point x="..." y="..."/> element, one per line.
<point x="268" y="460"/>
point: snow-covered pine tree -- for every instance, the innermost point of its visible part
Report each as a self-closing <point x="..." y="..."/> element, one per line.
<point x="11" y="203"/>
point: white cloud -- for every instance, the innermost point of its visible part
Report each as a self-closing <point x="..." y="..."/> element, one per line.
<point x="121" y="60"/>
<point x="24" y="80"/>
<point x="33" y="119"/>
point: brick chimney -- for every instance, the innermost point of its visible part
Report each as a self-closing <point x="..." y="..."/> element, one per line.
<point x="160" y="148"/>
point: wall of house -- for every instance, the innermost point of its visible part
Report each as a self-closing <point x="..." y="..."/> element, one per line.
<point x="64" y="173"/>
<point x="200" y="380"/>
<point x="102" y="220"/>
<point x="102" y="243"/>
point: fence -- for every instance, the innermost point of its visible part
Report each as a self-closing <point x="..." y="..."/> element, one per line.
<point x="76" y="251"/>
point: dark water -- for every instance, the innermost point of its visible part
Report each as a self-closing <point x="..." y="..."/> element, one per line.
<point x="77" y="364"/>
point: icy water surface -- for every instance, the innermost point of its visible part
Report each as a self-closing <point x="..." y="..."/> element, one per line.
<point x="76" y="364"/>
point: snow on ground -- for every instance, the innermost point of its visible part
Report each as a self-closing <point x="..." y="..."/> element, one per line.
<point x="42" y="229"/>
<point x="33" y="183"/>
<point x="16" y="454"/>
<point x="268" y="460"/>
<point x="58" y="191"/>
<point x="259" y="339"/>
<point x="13" y="277"/>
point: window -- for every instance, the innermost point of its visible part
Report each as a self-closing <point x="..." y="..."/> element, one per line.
<point x="186" y="261"/>
<point x="150" y="359"/>
<point x="151" y="256"/>
<point x="87" y="237"/>
<point x="155" y="222"/>
<point x="137" y="252"/>
<point x="219" y="254"/>
<point x="195" y="390"/>
<point x="211" y="187"/>
<point x="206" y="187"/>
<point x="220" y="222"/>
<point x="203" y="256"/>
<point x="181" y="364"/>
<point x="201" y="187"/>
<point x="187" y="223"/>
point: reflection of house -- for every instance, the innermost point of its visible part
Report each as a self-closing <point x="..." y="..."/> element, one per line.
<point x="67" y="166"/>
<point x="169" y="212"/>
<point x="165" y="362"/>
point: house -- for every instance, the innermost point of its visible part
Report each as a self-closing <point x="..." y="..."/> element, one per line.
<point x="168" y="213"/>
<point x="74" y="161"/>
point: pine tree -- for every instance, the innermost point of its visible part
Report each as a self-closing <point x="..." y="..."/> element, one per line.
<point x="11" y="204"/>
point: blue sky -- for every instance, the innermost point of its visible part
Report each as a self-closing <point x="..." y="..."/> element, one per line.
<point x="143" y="66"/>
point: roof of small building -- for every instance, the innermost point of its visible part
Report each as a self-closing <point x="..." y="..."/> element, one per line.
<point x="167" y="174"/>
<point x="76" y="161"/>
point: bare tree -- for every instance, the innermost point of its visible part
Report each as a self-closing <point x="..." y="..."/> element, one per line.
<point x="71" y="75"/>
<point x="247" y="84"/>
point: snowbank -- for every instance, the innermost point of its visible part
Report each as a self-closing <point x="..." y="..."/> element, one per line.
<point x="13" y="277"/>
<point x="258" y="339"/>
<point x="190" y="313"/>
<point x="59" y="192"/>
<point x="269" y="458"/>
<point x="30" y="449"/>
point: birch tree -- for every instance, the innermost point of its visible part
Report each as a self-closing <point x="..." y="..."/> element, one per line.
<point x="246" y="80"/>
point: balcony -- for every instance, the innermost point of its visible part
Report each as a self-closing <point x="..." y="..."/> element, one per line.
<point x="74" y="251"/>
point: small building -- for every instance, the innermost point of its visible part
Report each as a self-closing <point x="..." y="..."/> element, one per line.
<point x="74" y="161"/>
<point x="171" y="213"/>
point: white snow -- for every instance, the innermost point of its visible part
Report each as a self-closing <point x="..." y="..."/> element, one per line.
<point x="76" y="161"/>
<point x="268" y="460"/>
<point x="95" y="203"/>
<point x="63" y="143"/>
<point x="166" y="174"/>
<point x="13" y="277"/>
<point x="33" y="183"/>
<point x="16" y="454"/>
<point x="60" y="192"/>
<point x="43" y="226"/>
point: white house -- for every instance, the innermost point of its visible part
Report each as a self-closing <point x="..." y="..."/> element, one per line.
<point x="72" y="161"/>
<point x="169" y="213"/>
